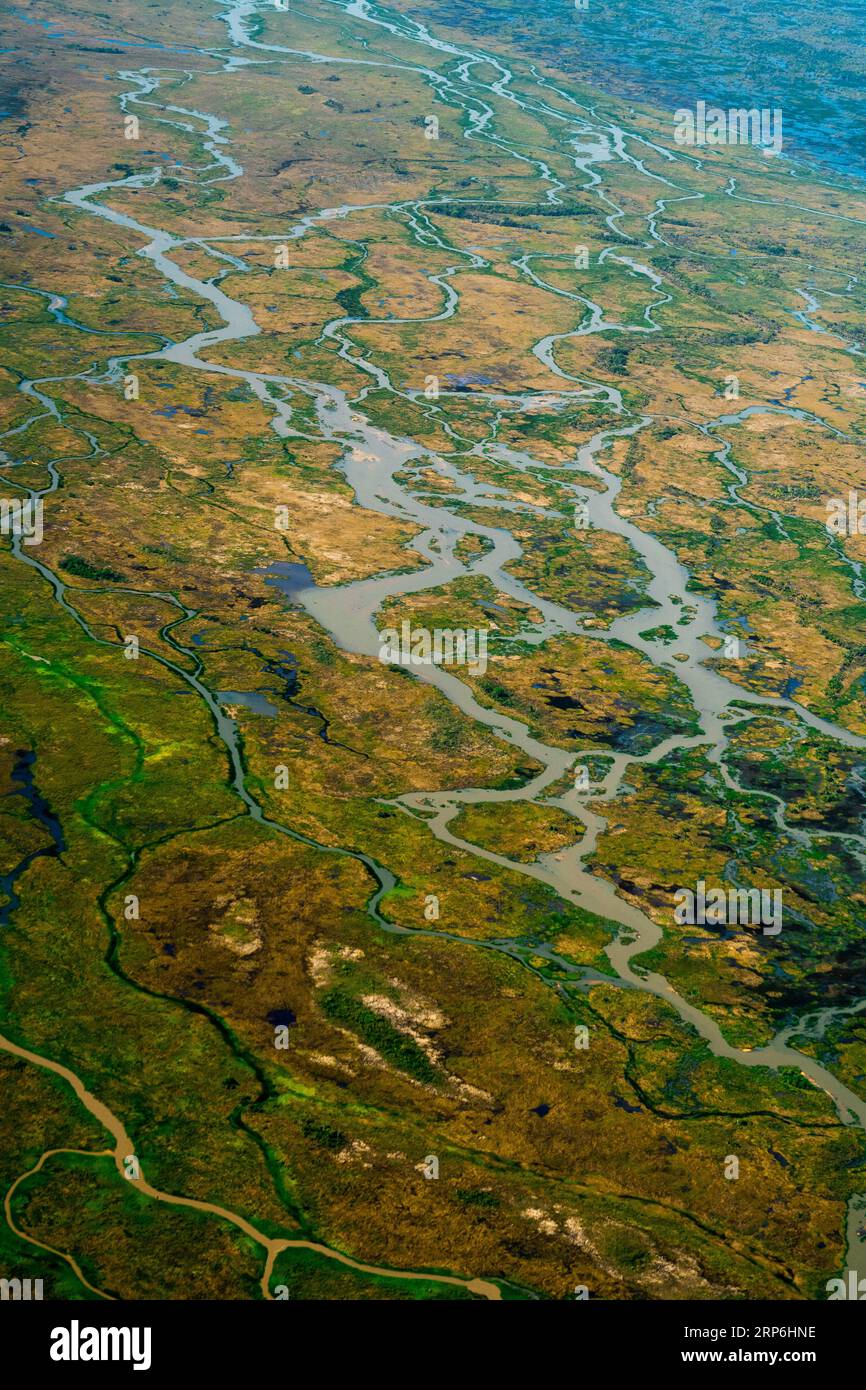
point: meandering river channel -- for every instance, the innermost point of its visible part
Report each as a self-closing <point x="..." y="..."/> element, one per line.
<point x="373" y="461"/>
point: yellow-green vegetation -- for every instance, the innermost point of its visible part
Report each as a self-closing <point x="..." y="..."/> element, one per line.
<point x="518" y="830"/>
<point x="245" y="913"/>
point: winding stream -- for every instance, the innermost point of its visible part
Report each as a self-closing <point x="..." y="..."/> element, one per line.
<point x="372" y="459"/>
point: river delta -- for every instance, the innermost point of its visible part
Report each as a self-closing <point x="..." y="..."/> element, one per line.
<point x="285" y="923"/>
